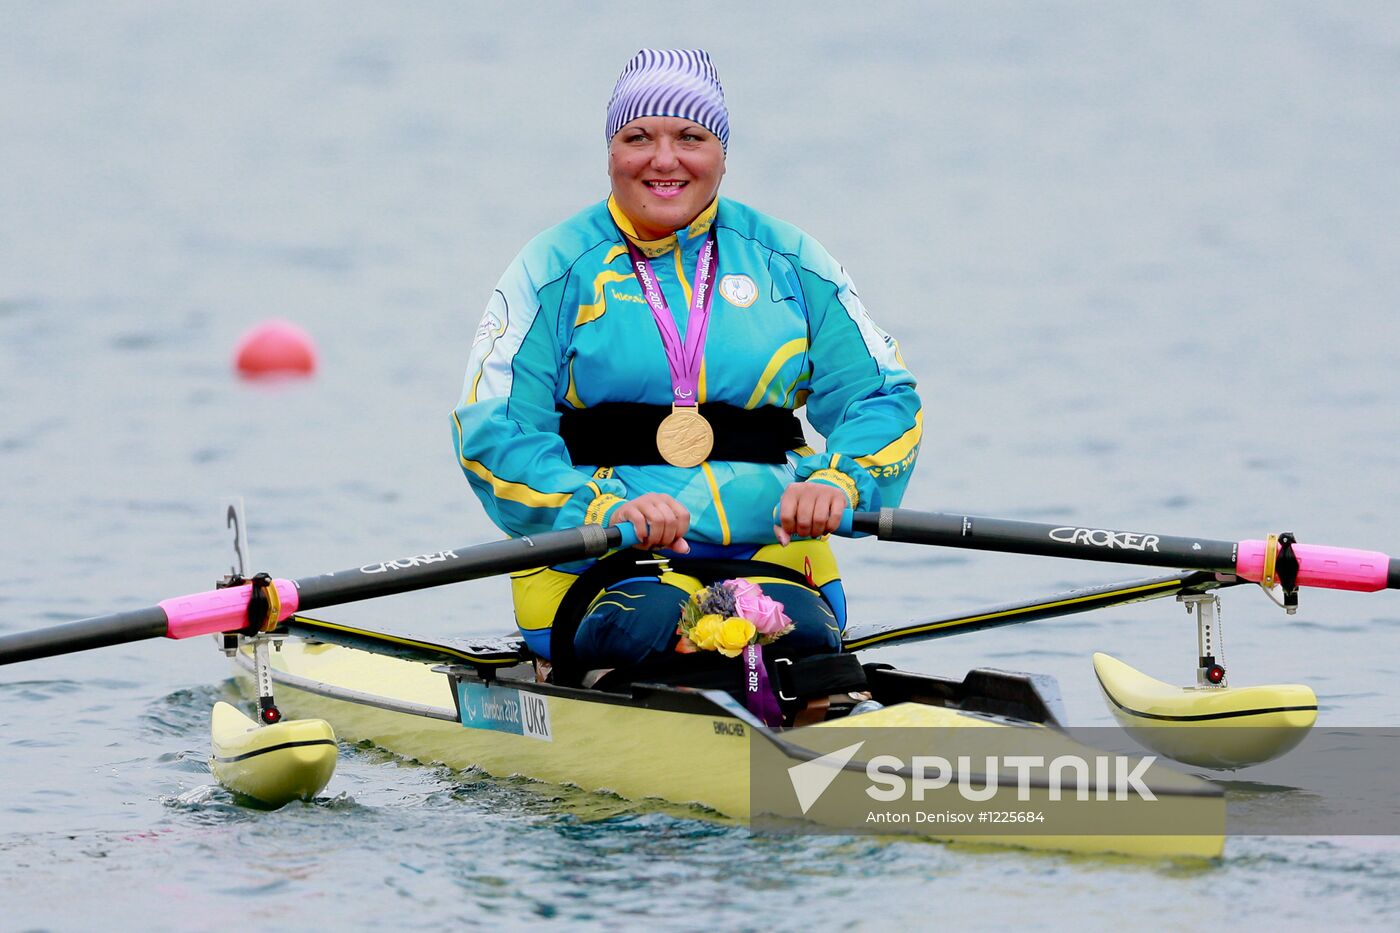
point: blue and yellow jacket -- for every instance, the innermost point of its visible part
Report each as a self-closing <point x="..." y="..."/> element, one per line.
<point x="567" y="327"/>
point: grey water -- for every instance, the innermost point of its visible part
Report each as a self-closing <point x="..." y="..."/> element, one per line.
<point x="1143" y="258"/>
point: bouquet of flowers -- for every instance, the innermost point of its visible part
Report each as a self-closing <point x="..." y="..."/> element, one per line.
<point x="730" y="616"/>
<point x="735" y="618"/>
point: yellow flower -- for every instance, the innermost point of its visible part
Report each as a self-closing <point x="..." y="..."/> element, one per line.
<point x="733" y="636"/>
<point x="704" y="632"/>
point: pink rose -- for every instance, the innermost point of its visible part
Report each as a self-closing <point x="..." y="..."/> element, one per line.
<point x="766" y="614"/>
<point x="749" y="605"/>
<point x="770" y="619"/>
<point x="742" y="588"/>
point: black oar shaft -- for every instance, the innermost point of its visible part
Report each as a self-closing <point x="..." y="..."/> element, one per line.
<point x="227" y="610"/>
<point x="1256" y="560"/>
<point x="99" y="632"/>
<point x="386" y="578"/>
<point x="1072" y="541"/>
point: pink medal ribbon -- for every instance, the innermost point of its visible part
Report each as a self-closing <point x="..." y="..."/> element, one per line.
<point x="683" y="356"/>
<point x="758" y="694"/>
<point x="684" y="438"/>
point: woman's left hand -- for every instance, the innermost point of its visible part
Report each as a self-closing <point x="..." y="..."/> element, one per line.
<point x="809" y="510"/>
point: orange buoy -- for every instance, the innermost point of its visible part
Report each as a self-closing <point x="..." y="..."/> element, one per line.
<point x="275" y="348"/>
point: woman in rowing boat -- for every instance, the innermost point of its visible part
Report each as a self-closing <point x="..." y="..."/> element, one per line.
<point x="641" y="362"/>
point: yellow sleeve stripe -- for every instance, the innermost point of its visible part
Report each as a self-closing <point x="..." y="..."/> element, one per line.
<point x="719" y="503"/>
<point x="571" y="396"/>
<point x="515" y="492"/>
<point x="786" y="352"/>
<point x="900" y="448"/>
<point x="505" y="489"/>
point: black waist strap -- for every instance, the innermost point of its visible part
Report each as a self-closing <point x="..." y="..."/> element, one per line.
<point x="797" y="679"/>
<point x="624" y="433"/>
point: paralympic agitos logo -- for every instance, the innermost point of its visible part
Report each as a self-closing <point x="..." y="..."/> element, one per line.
<point x="1098" y="537"/>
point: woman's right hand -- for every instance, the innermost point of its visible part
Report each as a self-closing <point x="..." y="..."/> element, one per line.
<point x="660" y="521"/>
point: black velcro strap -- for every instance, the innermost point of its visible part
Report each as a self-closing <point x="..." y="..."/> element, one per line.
<point x="710" y="571"/>
<point x="703" y="670"/>
<point x="624" y="433"/>
<point x="796" y="682"/>
<point x="798" y="679"/>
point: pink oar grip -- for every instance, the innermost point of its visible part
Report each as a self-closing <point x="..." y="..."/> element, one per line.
<point x="1333" y="568"/>
<point x="223" y="610"/>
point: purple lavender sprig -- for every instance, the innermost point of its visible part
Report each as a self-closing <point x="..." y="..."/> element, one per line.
<point x="718" y="599"/>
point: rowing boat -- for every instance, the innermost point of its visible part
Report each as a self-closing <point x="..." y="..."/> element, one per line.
<point x="469" y="707"/>
<point x="993" y="743"/>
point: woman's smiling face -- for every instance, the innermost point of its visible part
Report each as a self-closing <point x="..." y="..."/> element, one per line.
<point x="664" y="171"/>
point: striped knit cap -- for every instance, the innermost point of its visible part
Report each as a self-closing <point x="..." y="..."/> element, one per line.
<point x="670" y="83"/>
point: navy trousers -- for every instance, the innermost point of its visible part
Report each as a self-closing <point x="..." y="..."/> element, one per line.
<point x="637" y="618"/>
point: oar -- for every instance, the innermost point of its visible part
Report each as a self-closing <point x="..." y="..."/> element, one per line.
<point x="1277" y="559"/>
<point x="235" y="608"/>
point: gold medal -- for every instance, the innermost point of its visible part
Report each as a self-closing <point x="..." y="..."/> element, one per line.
<point x="685" y="438"/>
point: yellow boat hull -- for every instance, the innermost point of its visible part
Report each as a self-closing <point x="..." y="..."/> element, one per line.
<point x="1223" y="728"/>
<point x="683" y="747"/>
<point x="289" y="760"/>
<point x="634" y="752"/>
